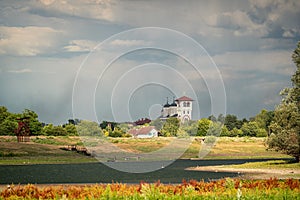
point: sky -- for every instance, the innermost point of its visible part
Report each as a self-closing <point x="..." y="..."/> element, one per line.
<point x="120" y="60"/>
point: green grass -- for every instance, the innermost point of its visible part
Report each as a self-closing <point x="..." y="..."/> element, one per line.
<point x="39" y="150"/>
<point x="242" y="148"/>
<point x="272" y="164"/>
<point x="140" y="145"/>
<point x="45" y="149"/>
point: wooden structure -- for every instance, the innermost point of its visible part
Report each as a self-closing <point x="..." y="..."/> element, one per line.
<point x="78" y="149"/>
<point x="23" y="130"/>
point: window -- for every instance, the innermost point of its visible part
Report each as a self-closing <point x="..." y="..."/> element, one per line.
<point x="188" y="112"/>
<point x="184" y="112"/>
<point x="188" y="104"/>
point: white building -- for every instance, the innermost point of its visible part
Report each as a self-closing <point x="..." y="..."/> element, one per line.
<point x="144" y="132"/>
<point x="181" y="108"/>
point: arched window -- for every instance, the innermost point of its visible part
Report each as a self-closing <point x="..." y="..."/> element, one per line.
<point x="188" y="104"/>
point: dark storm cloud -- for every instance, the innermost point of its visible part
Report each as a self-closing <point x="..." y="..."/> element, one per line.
<point x="43" y="44"/>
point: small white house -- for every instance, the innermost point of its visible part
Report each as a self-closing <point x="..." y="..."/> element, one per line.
<point x="144" y="132"/>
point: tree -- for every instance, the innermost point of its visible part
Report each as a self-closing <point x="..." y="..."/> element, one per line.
<point x="231" y="121"/>
<point x="221" y="118"/>
<point x="52" y="130"/>
<point x="170" y="127"/>
<point x="285" y="128"/>
<point x="105" y="124"/>
<point x="70" y="129"/>
<point x="212" y="118"/>
<point x="8" y="122"/>
<point x="117" y="132"/>
<point x="3" y="113"/>
<point x="158" y="123"/>
<point x="218" y="129"/>
<point x="9" y="125"/>
<point x="264" y="119"/>
<point x="90" y="128"/>
<point x="253" y="130"/>
<point x="203" y="126"/>
<point x="34" y="124"/>
<point x="236" y="132"/>
<point x="191" y="127"/>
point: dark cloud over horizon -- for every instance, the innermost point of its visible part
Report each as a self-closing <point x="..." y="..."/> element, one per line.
<point x="44" y="43"/>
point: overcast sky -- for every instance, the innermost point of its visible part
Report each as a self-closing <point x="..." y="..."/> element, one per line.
<point x="87" y="59"/>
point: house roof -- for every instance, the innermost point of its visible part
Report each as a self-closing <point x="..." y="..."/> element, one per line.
<point x="141" y="131"/>
<point x="184" y="98"/>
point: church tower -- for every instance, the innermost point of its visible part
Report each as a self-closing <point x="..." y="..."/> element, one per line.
<point x="184" y="108"/>
<point x="180" y="108"/>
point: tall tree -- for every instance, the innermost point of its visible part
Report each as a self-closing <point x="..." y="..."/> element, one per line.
<point x="231" y="121"/>
<point x="3" y="113"/>
<point x="252" y="129"/>
<point x="203" y="126"/>
<point x="264" y="119"/>
<point x="34" y="124"/>
<point x="170" y="127"/>
<point x="285" y="127"/>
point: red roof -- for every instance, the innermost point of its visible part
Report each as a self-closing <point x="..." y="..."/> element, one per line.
<point x="184" y="98"/>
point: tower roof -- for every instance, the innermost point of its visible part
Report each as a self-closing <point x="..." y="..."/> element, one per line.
<point x="173" y="104"/>
<point x="184" y="98"/>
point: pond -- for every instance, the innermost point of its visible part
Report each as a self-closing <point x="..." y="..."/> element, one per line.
<point x="100" y="173"/>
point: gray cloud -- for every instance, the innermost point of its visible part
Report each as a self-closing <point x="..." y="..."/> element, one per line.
<point x="43" y="43"/>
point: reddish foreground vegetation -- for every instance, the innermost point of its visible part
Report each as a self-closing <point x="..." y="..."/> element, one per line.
<point x="222" y="189"/>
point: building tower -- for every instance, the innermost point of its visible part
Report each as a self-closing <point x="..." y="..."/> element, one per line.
<point x="180" y="108"/>
<point x="184" y="108"/>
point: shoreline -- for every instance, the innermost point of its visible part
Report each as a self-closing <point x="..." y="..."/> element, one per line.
<point x="250" y="173"/>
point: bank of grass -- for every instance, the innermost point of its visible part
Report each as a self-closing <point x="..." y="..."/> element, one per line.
<point x="242" y="148"/>
<point x="138" y="145"/>
<point x="40" y="150"/>
<point x="271" y="164"/>
<point x="46" y="149"/>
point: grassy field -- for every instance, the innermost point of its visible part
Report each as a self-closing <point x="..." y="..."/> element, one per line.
<point x="43" y="149"/>
<point x="239" y="148"/>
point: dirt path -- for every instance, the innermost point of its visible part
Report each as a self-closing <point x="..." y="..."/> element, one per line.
<point x="246" y="173"/>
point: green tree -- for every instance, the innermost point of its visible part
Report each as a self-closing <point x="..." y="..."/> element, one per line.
<point x="9" y="125"/>
<point x="203" y="126"/>
<point x="8" y="122"/>
<point x="47" y="130"/>
<point x="70" y="129"/>
<point x="253" y="130"/>
<point x="217" y="129"/>
<point x="117" y="132"/>
<point x="170" y="127"/>
<point x="34" y="124"/>
<point x="51" y="130"/>
<point x="235" y="132"/>
<point x="90" y="128"/>
<point x="264" y="119"/>
<point x="158" y="123"/>
<point x="231" y="121"/>
<point x="191" y="127"/>
<point x="212" y="118"/>
<point x="221" y="118"/>
<point x="285" y="127"/>
<point x="3" y="113"/>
